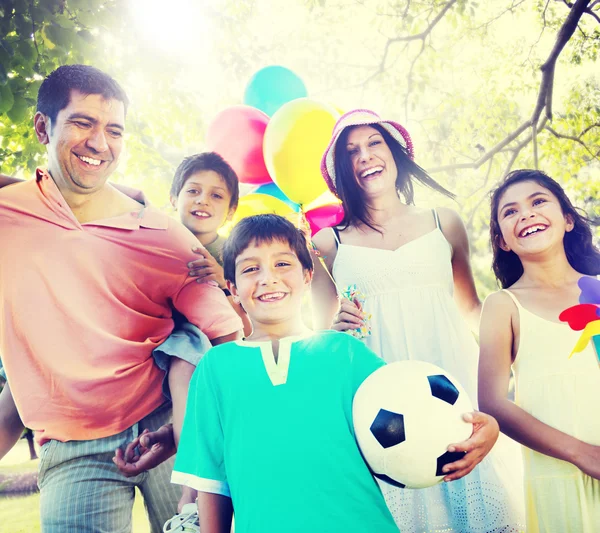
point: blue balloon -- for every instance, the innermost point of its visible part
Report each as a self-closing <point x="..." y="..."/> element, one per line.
<point x="272" y="190"/>
<point x="273" y="86"/>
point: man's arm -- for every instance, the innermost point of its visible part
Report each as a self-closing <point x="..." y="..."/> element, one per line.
<point x="11" y="427"/>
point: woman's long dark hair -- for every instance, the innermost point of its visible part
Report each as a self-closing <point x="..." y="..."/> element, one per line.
<point x="352" y="195"/>
<point x="583" y="256"/>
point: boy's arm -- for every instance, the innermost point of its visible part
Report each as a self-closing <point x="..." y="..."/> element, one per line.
<point x="180" y="374"/>
<point x="11" y="426"/>
<point x="157" y="446"/>
<point x="215" y="513"/>
<point x="8" y="180"/>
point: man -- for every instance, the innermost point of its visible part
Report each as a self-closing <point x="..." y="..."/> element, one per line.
<point x="89" y="276"/>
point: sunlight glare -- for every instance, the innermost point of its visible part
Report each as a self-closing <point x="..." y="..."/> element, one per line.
<point x="177" y="27"/>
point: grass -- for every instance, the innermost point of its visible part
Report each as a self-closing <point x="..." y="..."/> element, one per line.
<point x="21" y="514"/>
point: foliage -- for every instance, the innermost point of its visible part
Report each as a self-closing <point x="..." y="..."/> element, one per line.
<point x="462" y="75"/>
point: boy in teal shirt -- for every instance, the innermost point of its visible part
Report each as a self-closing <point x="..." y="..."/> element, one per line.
<point x="268" y="427"/>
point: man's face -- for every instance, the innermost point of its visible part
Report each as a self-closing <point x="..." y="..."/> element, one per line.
<point x="84" y="143"/>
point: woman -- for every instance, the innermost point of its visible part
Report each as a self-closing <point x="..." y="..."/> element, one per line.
<point x="408" y="262"/>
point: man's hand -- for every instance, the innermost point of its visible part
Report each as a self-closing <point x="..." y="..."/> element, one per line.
<point x="206" y="268"/>
<point x="153" y="448"/>
<point x="477" y="446"/>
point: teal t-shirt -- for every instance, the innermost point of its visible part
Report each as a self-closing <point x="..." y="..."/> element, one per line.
<point x="278" y="437"/>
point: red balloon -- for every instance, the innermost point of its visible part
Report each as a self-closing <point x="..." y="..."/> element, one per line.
<point x="236" y="134"/>
<point x="324" y="216"/>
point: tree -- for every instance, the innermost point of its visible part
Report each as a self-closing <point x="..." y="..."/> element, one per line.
<point x="483" y="87"/>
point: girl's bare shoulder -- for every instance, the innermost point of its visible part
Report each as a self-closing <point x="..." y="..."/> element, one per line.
<point x="497" y="305"/>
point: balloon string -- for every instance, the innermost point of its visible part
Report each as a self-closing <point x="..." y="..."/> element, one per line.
<point x="321" y="259"/>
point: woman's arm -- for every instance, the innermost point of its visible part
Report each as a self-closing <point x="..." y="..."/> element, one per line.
<point x="465" y="292"/>
<point x="324" y="296"/>
<point x="496" y="347"/>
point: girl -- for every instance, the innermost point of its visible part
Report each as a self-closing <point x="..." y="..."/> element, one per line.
<point x="542" y="247"/>
<point x="407" y="261"/>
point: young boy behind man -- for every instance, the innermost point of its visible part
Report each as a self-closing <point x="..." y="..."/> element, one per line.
<point x="268" y="426"/>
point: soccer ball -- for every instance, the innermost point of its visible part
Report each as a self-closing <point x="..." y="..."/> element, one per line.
<point x="405" y="415"/>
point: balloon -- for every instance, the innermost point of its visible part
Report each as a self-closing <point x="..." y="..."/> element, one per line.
<point x="272" y="190"/>
<point x="325" y="216"/>
<point x="236" y="134"/>
<point x="295" y="140"/>
<point x="273" y="86"/>
<point x="257" y="204"/>
<point x="325" y="199"/>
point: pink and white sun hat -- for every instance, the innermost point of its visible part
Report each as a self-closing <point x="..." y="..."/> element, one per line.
<point x="360" y="117"/>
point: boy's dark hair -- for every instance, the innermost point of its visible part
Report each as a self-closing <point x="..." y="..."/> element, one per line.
<point x="352" y="196"/>
<point x="55" y="91"/>
<point x="261" y="229"/>
<point x="207" y="161"/>
<point x="583" y="256"/>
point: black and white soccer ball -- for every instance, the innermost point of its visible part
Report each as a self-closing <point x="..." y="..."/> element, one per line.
<point x="405" y="416"/>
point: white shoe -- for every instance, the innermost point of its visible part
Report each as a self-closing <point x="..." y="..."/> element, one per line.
<point x="184" y="522"/>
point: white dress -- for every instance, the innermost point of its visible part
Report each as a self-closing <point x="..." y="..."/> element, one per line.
<point x="408" y="291"/>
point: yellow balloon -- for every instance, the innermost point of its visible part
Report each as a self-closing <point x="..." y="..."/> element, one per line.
<point x="258" y="204"/>
<point x="295" y="140"/>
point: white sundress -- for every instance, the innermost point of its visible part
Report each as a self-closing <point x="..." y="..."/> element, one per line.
<point x="409" y="291"/>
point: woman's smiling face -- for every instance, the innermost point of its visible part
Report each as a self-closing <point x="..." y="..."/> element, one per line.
<point x="372" y="161"/>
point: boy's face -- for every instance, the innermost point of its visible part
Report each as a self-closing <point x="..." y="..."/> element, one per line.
<point x="203" y="203"/>
<point x="270" y="283"/>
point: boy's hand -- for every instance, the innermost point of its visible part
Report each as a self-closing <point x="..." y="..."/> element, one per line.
<point x="477" y="446"/>
<point x="188" y="495"/>
<point x="206" y="268"/>
<point x="154" y="448"/>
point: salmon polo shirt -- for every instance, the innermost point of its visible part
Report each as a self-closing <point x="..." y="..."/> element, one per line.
<point x="82" y="306"/>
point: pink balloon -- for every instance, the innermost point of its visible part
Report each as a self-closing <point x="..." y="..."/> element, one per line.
<point x="324" y="216"/>
<point x="236" y="134"/>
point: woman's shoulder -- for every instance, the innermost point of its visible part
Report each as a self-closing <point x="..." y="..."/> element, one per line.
<point x="450" y="220"/>
<point x="325" y="241"/>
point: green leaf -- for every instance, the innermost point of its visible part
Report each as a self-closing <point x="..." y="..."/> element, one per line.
<point x="6" y="98"/>
<point x="26" y="50"/>
<point x="58" y="35"/>
<point x="19" y="110"/>
<point x="3" y="75"/>
<point x="7" y="47"/>
<point x="86" y="36"/>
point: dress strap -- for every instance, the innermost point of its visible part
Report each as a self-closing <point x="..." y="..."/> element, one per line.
<point x="436" y="218"/>
<point x="336" y="236"/>
<point x="513" y="298"/>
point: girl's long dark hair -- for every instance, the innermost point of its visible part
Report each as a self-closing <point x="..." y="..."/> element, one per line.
<point x="583" y="256"/>
<point x="352" y="196"/>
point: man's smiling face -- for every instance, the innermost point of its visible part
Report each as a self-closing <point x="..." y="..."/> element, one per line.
<point x="84" y="143"/>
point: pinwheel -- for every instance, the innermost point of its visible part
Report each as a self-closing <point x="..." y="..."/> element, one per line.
<point x="585" y="317"/>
